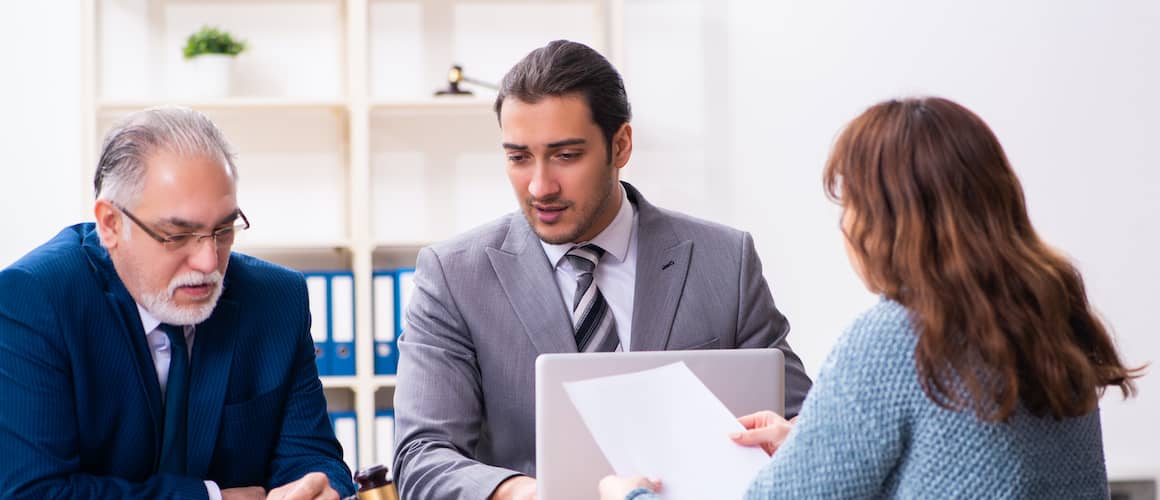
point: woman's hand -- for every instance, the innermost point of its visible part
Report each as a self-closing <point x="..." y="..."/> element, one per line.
<point x="616" y="487"/>
<point x="764" y="428"/>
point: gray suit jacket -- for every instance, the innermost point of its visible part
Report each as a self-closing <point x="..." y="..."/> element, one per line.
<point x="486" y="304"/>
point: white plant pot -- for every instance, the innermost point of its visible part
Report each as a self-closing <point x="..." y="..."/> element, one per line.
<point x="209" y="76"/>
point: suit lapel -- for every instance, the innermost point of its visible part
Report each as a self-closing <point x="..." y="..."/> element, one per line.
<point x="213" y="354"/>
<point x="529" y="282"/>
<point x="131" y="331"/>
<point x="662" y="265"/>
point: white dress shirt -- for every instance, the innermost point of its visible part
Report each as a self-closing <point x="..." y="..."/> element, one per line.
<point x="159" y="348"/>
<point x="615" y="274"/>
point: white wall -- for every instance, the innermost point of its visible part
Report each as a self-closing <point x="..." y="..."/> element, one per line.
<point x="40" y="128"/>
<point x="752" y="94"/>
<point x="1069" y="87"/>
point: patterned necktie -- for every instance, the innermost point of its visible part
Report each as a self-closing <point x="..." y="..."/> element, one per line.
<point x="173" y="444"/>
<point x="592" y="319"/>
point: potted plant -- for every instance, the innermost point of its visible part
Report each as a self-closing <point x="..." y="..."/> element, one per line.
<point x="211" y="51"/>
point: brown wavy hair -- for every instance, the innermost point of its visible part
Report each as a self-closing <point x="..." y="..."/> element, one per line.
<point x="939" y="224"/>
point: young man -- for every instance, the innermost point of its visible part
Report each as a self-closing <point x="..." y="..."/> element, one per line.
<point x="589" y="265"/>
<point x="141" y="359"/>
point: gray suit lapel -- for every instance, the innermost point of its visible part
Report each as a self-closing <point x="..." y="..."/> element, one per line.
<point x="662" y="265"/>
<point x="529" y="282"/>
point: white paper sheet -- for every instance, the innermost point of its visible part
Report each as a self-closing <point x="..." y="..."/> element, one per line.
<point x="664" y="423"/>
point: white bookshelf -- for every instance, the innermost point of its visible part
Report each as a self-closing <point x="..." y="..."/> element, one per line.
<point x="346" y="159"/>
<point x="240" y="103"/>
<point x="340" y="382"/>
<point x="292" y="246"/>
<point x="473" y="104"/>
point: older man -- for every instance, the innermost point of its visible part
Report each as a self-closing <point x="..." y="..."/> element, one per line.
<point x="140" y="358"/>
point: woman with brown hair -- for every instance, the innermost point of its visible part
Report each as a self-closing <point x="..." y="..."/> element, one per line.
<point x="979" y="373"/>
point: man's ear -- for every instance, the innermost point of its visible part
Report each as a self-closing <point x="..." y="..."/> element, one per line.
<point x="622" y="146"/>
<point x="109" y="223"/>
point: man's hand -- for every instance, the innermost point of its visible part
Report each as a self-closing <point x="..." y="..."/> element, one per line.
<point x="313" y="486"/>
<point x="765" y="428"/>
<point x="247" y="493"/>
<point x="515" y="488"/>
<point x="616" y="487"/>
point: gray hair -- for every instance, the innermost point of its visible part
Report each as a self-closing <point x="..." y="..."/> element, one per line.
<point x="120" y="176"/>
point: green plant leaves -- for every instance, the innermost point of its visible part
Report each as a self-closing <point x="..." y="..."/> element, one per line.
<point x="210" y="40"/>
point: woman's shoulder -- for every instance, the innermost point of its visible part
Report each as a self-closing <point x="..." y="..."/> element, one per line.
<point x="882" y="339"/>
<point x="887" y="323"/>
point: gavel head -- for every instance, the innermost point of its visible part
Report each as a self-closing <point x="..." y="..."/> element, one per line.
<point x="375" y="483"/>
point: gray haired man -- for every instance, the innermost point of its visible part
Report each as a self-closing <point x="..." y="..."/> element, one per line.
<point x="142" y="359"/>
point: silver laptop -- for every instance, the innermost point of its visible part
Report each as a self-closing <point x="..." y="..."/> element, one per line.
<point x="569" y="464"/>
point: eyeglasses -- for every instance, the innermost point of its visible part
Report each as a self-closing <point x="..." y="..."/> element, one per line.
<point x="222" y="237"/>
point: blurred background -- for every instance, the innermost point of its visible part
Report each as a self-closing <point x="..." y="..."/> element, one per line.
<point x="349" y="163"/>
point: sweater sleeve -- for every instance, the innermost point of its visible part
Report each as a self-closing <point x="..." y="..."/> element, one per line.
<point x="853" y="426"/>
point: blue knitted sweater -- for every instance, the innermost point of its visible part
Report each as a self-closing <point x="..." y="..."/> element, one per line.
<point x="867" y="430"/>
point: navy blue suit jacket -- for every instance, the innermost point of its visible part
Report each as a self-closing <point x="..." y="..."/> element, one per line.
<point x="80" y="406"/>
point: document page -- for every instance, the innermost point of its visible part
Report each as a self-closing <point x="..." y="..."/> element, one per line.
<point x="665" y="424"/>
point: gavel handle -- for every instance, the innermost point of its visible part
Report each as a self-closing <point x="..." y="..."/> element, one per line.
<point x="481" y="83"/>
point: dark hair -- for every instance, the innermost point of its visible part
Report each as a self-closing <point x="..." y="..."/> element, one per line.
<point x="939" y="224"/>
<point x="564" y="67"/>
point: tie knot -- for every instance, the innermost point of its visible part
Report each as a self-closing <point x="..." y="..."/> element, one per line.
<point x="585" y="257"/>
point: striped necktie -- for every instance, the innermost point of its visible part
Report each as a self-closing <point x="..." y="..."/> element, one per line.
<point x="594" y="326"/>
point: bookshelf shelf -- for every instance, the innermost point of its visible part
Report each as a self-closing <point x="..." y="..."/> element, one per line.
<point x="226" y="104"/>
<point x="332" y="382"/>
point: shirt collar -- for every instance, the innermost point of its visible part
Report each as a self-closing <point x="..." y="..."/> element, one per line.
<point x="148" y="321"/>
<point x="614" y="239"/>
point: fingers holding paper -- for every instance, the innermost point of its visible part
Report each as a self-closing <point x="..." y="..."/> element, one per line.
<point x="765" y="429"/>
